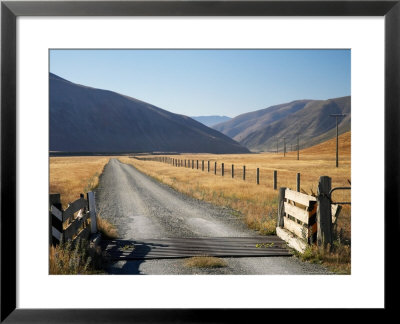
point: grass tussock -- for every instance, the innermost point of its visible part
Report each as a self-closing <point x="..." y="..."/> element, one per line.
<point x="70" y="176"/>
<point x="107" y="230"/>
<point x="336" y="257"/>
<point x="204" y="262"/>
<point x="75" y="258"/>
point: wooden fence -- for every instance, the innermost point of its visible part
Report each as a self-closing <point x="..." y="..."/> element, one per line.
<point x="220" y="168"/>
<point x="73" y="222"/>
<point x="305" y="219"/>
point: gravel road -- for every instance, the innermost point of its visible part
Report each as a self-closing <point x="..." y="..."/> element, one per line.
<point x="143" y="208"/>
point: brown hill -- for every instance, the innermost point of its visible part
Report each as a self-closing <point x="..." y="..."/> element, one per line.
<point x="329" y="147"/>
<point x="260" y="130"/>
<point x="84" y="119"/>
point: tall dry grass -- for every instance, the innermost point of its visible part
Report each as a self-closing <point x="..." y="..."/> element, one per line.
<point x="77" y="258"/>
<point x="70" y="176"/>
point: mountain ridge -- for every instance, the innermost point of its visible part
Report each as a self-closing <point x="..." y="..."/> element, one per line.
<point x="259" y="130"/>
<point x="86" y="119"/>
<point x="211" y="120"/>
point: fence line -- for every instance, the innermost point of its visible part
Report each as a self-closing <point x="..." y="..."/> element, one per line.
<point x="250" y="175"/>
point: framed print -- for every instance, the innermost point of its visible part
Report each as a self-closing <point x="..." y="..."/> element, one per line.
<point x="38" y="37"/>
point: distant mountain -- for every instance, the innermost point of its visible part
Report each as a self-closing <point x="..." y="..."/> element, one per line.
<point x="211" y="120"/>
<point x="260" y="130"/>
<point x="85" y="119"/>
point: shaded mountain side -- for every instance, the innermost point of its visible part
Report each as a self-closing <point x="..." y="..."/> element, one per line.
<point x="307" y="118"/>
<point x="211" y="120"/>
<point x="85" y="119"/>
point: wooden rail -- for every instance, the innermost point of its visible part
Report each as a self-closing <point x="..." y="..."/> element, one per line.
<point x="73" y="222"/>
<point x="305" y="219"/>
<point x="298" y="213"/>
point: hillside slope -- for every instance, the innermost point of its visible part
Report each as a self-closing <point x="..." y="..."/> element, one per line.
<point x="84" y="119"/>
<point x="260" y="130"/>
<point x="329" y="147"/>
<point x="211" y="120"/>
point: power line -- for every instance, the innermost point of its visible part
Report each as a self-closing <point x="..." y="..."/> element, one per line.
<point x="337" y="136"/>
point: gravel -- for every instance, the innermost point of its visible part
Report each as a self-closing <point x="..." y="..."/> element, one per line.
<point x="143" y="208"/>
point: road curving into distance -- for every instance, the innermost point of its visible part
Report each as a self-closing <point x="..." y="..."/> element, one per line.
<point x="143" y="209"/>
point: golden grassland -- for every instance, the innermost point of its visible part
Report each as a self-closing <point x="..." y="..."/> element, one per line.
<point x="258" y="203"/>
<point x="70" y="176"/>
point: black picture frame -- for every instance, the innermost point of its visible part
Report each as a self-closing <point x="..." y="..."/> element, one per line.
<point x="10" y="10"/>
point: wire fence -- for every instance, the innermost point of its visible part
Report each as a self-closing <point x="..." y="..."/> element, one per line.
<point x="235" y="171"/>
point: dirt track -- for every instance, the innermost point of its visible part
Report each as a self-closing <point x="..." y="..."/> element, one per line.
<point x="142" y="208"/>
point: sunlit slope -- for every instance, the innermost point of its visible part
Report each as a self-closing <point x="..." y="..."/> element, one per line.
<point x="329" y="147"/>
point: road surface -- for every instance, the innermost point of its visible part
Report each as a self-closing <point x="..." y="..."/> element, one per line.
<point x="142" y="208"/>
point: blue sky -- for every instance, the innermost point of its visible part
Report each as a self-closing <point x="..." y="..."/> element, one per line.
<point x="210" y="82"/>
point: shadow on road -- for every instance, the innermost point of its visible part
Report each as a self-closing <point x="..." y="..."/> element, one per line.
<point x="126" y="256"/>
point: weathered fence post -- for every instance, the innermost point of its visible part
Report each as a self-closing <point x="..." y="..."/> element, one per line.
<point x="55" y="219"/>
<point x="92" y="210"/>
<point x="233" y="171"/>
<point x="275" y="179"/>
<point x="324" y="216"/>
<point x="215" y="167"/>
<point x="208" y="166"/>
<point x="281" y="206"/>
<point x="258" y="175"/>
<point x="192" y="164"/>
<point x="298" y="182"/>
<point x="244" y="172"/>
<point x="202" y="165"/>
<point x="197" y="164"/>
<point x="222" y="169"/>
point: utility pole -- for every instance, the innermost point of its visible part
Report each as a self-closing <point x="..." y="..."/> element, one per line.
<point x="284" y="147"/>
<point x="337" y="136"/>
